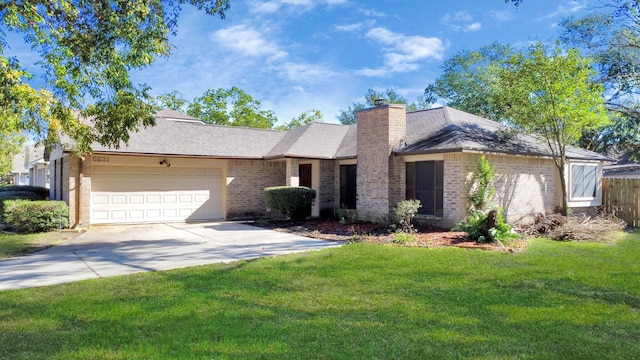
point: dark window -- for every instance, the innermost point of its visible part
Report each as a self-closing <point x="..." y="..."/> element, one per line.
<point x="348" y="181"/>
<point x="583" y="181"/>
<point x="425" y="182"/>
<point x="304" y="172"/>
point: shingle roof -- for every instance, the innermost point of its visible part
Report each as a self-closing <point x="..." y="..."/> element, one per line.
<point x="315" y="140"/>
<point x="428" y="131"/>
<point x="447" y="129"/>
<point x="195" y="138"/>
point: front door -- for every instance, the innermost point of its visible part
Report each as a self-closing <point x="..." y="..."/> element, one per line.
<point x="304" y="172"/>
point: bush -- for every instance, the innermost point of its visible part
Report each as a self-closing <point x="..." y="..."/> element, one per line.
<point x="405" y="211"/>
<point x="403" y="238"/>
<point x="347" y="216"/>
<point x="487" y="227"/>
<point x="17" y="192"/>
<point x="292" y="201"/>
<point x="36" y="216"/>
<point x="41" y="192"/>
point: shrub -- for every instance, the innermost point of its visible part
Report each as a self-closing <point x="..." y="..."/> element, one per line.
<point x="405" y="211"/>
<point x="480" y="194"/>
<point x="292" y="201"/>
<point x="15" y="192"/>
<point x="347" y="216"/>
<point x="36" y="216"/>
<point x="403" y="238"/>
<point x="487" y="227"/>
<point x="41" y="192"/>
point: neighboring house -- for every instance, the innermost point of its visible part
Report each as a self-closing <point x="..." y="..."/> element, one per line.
<point x="622" y="171"/>
<point x="37" y="165"/>
<point x="30" y="167"/>
<point x="185" y="170"/>
<point x="19" y="173"/>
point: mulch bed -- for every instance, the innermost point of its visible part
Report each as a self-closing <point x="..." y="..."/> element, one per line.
<point x="431" y="237"/>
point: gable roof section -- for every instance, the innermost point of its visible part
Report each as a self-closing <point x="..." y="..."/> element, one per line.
<point x="314" y="140"/>
<point x="195" y="138"/>
<point x="447" y="129"/>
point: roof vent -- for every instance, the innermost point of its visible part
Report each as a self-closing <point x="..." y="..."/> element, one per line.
<point x="380" y="102"/>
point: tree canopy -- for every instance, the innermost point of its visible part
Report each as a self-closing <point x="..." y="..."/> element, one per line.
<point x="213" y="108"/>
<point x="303" y="119"/>
<point x="87" y="49"/>
<point x="553" y="95"/>
<point x="611" y="36"/>
<point x="468" y="78"/>
<point x="231" y="107"/>
<point x="348" y="116"/>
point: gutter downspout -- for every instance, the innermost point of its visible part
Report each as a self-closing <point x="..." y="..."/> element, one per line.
<point x="79" y="197"/>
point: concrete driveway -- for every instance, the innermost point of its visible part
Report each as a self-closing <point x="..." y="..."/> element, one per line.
<point x="126" y="249"/>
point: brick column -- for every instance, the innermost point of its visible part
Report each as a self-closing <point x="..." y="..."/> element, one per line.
<point x="293" y="179"/>
<point x="380" y="130"/>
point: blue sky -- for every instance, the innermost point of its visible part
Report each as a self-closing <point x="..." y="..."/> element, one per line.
<point x="298" y="55"/>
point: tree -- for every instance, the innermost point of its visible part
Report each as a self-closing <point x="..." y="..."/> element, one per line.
<point x="468" y="78"/>
<point x="348" y="116"/>
<point x="10" y="146"/>
<point x="87" y="49"/>
<point x="231" y="107"/>
<point x="303" y="119"/>
<point x="172" y="100"/>
<point x="554" y="96"/>
<point x="611" y="36"/>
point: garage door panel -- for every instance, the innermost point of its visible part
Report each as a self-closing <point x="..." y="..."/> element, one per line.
<point x="137" y="194"/>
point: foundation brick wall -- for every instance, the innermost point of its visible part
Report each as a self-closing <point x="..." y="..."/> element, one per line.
<point x="380" y="129"/>
<point x="524" y="186"/>
<point x="246" y="180"/>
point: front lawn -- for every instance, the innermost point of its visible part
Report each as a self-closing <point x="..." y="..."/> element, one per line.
<point x="20" y="244"/>
<point x="361" y="301"/>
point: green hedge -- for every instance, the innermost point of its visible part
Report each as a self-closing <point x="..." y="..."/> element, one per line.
<point x="18" y="192"/>
<point x="36" y="216"/>
<point x="292" y="201"/>
<point x="41" y="192"/>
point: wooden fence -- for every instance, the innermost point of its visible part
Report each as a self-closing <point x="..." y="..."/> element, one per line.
<point x="621" y="197"/>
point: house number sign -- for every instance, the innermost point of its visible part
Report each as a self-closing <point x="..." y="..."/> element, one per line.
<point x="100" y="158"/>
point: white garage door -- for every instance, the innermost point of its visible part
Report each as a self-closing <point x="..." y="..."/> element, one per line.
<point x="134" y="194"/>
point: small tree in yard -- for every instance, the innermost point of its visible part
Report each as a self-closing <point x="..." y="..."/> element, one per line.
<point x="480" y="224"/>
<point x="481" y="193"/>
<point x="405" y="211"/>
<point x="553" y="96"/>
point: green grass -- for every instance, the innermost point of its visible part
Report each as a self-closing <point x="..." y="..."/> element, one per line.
<point x="19" y="244"/>
<point x="362" y="301"/>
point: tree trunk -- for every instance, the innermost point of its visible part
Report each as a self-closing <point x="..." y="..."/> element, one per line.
<point x="563" y="186"/>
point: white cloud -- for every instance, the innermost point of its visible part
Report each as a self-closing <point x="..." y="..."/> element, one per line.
<point x="461" y="21"/>
<point x="561" y="10"/>
<point x="303" y="72"/>
<point x="501" y="15"/>
<point x="368" y="72"/>
<point x="355" y="26"/>
<point x="247" y="41"/>
<point x="457" y="17"/>
<point x="473" y="27"/>
<point x="403" y="53"/>
<point x="272" y="6"/>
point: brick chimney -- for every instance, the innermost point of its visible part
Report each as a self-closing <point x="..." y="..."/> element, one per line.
<point x="380" y="130"/>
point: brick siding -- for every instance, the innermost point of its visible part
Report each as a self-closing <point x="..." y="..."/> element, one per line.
<point x="246" y="180"/>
